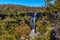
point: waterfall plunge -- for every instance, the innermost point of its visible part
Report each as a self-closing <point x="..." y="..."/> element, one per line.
<point x="32" y="33"/>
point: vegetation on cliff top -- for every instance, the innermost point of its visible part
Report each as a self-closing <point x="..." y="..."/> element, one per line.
<point x="14" y="21"/>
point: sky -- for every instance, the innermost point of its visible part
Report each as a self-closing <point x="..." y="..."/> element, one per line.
<point x="34" y="3"/>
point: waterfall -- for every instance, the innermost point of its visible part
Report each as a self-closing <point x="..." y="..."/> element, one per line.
<point x="32" y="33"/>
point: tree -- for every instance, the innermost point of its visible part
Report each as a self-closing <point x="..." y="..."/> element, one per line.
<point x="48" y="2"/>
<point x="23" y="30"/>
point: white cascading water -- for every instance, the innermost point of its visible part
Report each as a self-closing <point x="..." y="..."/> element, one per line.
<point x="32" y="33"/>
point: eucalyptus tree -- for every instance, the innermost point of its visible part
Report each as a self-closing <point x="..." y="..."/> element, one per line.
<point x="48" y="2"/>
<point x="57" y="1"/>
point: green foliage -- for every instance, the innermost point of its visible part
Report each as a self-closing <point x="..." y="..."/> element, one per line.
<point x="13" y="25"/>
<point x="2" y="25"/>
